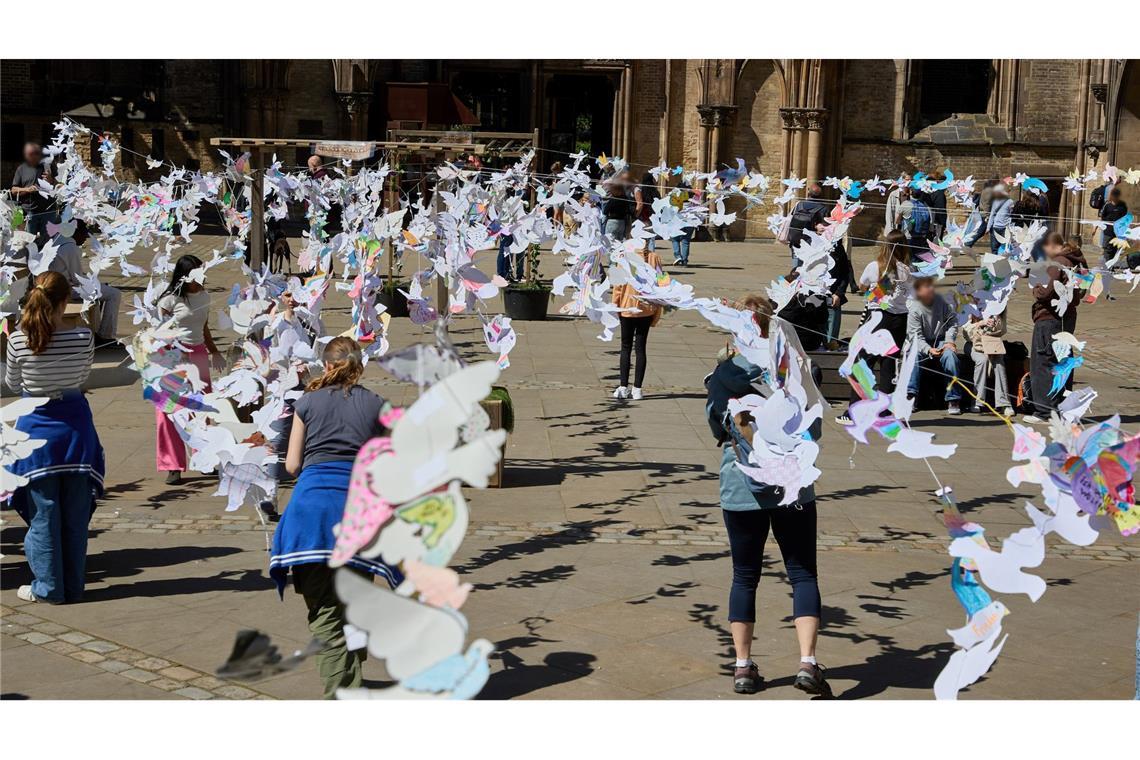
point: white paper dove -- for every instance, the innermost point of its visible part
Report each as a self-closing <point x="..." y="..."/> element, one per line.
<point x="423" y="441"/>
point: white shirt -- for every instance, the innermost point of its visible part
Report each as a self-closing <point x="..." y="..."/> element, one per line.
<point x="190" y="312"/>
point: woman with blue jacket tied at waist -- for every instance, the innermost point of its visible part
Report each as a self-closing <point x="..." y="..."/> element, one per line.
<point x="332" y="420"/>
<point x="57" y="483"/>
<point x="751" y="510"/>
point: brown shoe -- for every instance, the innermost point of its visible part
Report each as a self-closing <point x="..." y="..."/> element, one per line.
<point x="173" y="477"/>
<point x="746" y="680"/>
<point x="810" y="679"/>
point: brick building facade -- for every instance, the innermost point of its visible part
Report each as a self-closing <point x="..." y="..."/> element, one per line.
<point x="808" y="117"/>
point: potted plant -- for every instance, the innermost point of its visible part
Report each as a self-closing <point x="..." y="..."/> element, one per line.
<point x="501" y="413"/>
<point x="528" y="299"/>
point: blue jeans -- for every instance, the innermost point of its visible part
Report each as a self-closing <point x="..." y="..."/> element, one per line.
<point x="615" y="228"/>
<point x="56" y="542"/>
<point x="794" y="528"/>
<point x="834" y="320"/>
<point x="681" y="248"/>
<point x="503" y="263"/>
<point x="948" y="361"/>
<point x="995" y="244"/>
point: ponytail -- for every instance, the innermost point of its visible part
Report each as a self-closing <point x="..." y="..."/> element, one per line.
<point x="343" y="365"/>
<point x="37" y="320"/>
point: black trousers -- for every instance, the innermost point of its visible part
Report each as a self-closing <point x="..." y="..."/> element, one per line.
<point x="634" y="334"/>
<point x="895" y="324"/>
<point x="1042" y="360"/>
<point x="794" y="528"/>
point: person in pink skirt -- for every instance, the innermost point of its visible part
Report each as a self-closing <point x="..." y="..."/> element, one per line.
<point x="188" y="304"/>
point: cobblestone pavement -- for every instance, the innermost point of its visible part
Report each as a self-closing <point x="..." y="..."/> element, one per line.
<point x="601" y="569"/>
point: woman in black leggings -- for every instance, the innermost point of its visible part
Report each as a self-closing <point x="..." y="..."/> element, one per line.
<point x="751" y="512"/>
<point x="636" y="319"/>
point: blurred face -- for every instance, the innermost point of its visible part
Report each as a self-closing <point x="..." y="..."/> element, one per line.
<point x="924" y="292"/>
<point x="1052" y="249"/>
<point x="33" y="154"/>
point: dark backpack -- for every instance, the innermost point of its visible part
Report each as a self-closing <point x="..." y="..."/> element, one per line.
<point x="743" y="450"/>
<point x="802" y="219"/>
<point x="919" y="219"/>
<point x="1097" y="197"/>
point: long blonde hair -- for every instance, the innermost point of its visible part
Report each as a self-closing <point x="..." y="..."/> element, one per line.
<point x="37" y="320"/>
<point x="894" y="250"/>
<point x="344" y="365"/>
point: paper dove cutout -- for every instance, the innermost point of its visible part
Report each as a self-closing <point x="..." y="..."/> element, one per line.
<point x="423" y="441"/>
<point x="15" y="444"/>
<point x="1001" y="571"/>
<point x="968" y="665"/>
<point x="457" y="677"/>
<point x="428" y="529"/>
<point x="409" y="636"/>
<point x="364" y="511"/>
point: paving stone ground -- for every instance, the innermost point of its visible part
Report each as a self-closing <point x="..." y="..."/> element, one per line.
<point x="601" y="569"/>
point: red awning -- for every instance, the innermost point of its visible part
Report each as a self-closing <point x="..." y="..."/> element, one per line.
<point x="428" y="103"/>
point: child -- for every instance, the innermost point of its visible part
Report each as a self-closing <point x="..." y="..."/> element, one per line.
<point x="188" y="304"/>
<point x="986" y="349"/>
<point x="334" y="418"/>
<point x="66" y="472"/>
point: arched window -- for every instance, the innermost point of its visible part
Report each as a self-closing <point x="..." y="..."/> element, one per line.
<point x="947" y="87"/>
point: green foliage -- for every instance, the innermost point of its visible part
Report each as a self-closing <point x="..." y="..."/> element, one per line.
<point x="499" y="393"/>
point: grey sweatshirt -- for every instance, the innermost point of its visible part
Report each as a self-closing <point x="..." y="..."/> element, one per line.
<point x="931" y="325"/>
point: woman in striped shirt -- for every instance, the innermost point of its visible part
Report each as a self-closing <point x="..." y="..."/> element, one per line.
<point x="61" y="478"/>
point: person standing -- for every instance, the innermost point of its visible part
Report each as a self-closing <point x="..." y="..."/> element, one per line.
<point x="69" y="262"/>
<point x="1113" y="210"/>
<point x="894" y="201"/>
<point x="1001" y="211"/>
<point x="887" y="292"/>
<point x="807" y="215"/>
<point x="1048" y="321"/>
<point x="617" y="206"/>
<point x="37" y="209"/>
<point x="636" y="319"/>
<point x="187" y="304"/>
<point x="843" y="276"/>
<point x="987" y="349"/>
<point x="677" y="199"/>
<point x="65" y="474"/>
<point x="751" y="511"/>
<point x="333" y="419"/>
<point x="644" y="194"/>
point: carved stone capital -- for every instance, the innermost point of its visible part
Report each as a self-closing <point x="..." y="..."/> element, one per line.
<point x="354" y="102"/>
<point x="716" y="116"/>
<point x="803" y="118"/>
<point x="1100" y="92"/>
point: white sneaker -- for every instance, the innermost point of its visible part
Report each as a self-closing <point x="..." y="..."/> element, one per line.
<point x="621" y="392"/>
<point x="636" y="396"/>
<point x="1032" y="419"/>
<point x="953" y="409"/>
<point x="1008" y="411"/>
<point x="25" y="593"/>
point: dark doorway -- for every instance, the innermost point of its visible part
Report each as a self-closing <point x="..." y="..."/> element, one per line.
<point x="953" y="86"/>
<point x="578" y="114"/>
<point x="496" y="97"/>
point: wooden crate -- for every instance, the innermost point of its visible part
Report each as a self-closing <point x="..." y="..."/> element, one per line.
<point x="494" y="410"/>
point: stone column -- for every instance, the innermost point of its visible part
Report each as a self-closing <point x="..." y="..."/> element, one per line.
<point x="814" y="121"/>
<point x="354" y="114"/>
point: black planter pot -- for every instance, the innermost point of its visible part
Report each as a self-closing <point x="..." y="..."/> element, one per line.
<point x="395" y="302"/>
<point x="527" y="304"/>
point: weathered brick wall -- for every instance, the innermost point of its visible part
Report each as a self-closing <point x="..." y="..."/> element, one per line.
<point x="756" y="136"/>
<point x="311" y="98"/>
<point x="1047" y="100"/>
<point x="873" y="92"/>
<point x="648" y="106"/>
